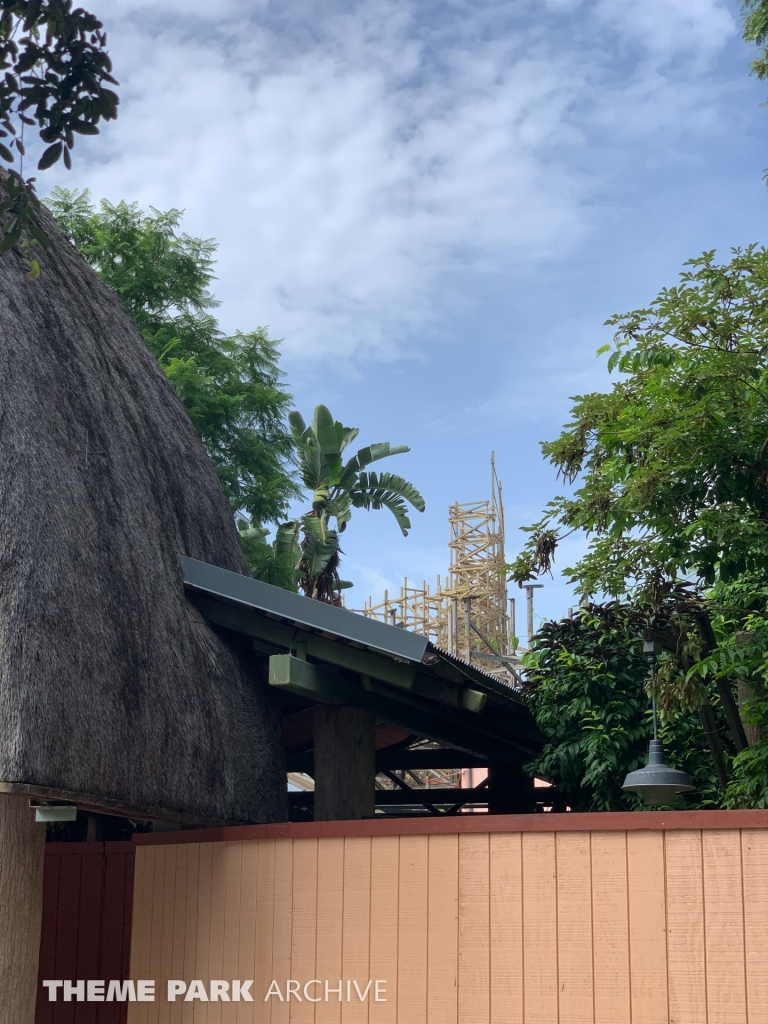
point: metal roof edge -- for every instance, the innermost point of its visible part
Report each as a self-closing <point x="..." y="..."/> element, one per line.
<point x="325" y="618"/>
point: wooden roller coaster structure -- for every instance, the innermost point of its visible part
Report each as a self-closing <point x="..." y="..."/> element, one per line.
<point x="469" y="614"/>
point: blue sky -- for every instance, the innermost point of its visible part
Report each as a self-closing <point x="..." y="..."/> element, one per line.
<point x="437" y="205"/>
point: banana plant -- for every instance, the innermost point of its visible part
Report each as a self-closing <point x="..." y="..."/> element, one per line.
<point x="337" y="487"/>
<point x="272" y="561"/>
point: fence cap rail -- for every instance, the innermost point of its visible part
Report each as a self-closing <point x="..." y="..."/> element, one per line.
<point x="603" y="821"/>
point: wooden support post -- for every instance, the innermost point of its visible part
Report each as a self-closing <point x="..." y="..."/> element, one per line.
<point x="345" y="763"/>
<point x="510" y="791"/>
<point x="22" y="853"/>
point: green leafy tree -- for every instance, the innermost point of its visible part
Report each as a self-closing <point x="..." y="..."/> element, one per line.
<point x="670" y="472"/>
<point x="756" y="31"/>
<point x="586" y="685"/>
<point x="740" y="658"/>
<point x="56" y="66"/>
<point x="231" y="386"/>
<point x="337" y="487"/>
<point x="672" y="462"/>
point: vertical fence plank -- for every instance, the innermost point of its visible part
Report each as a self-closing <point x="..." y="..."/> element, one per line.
<point x="574" y="928"/>
<point x="685" y="927"/>
<point x="127" y="930"/>
<point x="506" y="892"/>
<point x="724" y="913"/>
<point x="191" y="912"/>
<point x="160" y="912"/>
<point x="233" y="875"/>
<point x="385" y="870"/>
<point x="265" y="919"/>
<point x="245" y="966"/>
<point x="610" y="925"/>
<point x="754" y="846"/>
<point x="357" y="928"/>
<point x="330" y="918"/>
<point x="141" y="933"/>
<point x="474" y="929"/>
<point x="44" y="1010"/>
<point x="66" y="929"/>
<point x="89" y="922"/>
<point x="112" y="927"/>
<point x="204" y="919"/>
<point x="181" y="885"/>
<point x="283" y="916"/>
<point x="304" y="938"/>
<point x="218" y="913"/>
<point x="412" y="931"/>
<point x="647" y="927"/>
<point x="539" y="928"/>
<point x="443" y="930"/>
<point x="164" y="965"/>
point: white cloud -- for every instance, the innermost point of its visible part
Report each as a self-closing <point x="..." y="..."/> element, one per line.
<point x="667" y="29"/>
<point x="351" y="159"/>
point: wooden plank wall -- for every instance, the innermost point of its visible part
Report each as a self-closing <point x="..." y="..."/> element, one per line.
<point x="635" y="927"/>
<point x="86" y="931"/>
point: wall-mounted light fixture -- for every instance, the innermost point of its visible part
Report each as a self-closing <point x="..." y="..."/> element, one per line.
<point x="54" y="812"/>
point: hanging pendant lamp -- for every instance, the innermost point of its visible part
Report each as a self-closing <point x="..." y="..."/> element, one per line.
<point x="657" y="783"/>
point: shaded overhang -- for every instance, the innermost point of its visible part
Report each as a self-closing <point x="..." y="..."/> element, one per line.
<point x="320" y="654"/>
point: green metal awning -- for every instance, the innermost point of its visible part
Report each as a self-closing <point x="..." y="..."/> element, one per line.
<point x="321" y="654"/>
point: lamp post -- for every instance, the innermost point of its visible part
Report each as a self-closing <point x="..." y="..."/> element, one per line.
<point x="529" y="589"/>
<point x="656" y="783"/>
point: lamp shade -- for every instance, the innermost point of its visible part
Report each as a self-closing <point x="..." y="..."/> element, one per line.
<point x="657" y="783"/>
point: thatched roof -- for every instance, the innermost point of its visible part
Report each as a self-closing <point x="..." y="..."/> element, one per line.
<point x="112" y="686"/>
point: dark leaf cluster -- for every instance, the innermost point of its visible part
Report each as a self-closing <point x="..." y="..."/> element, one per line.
<point x="586" y="684"/>
<point x="54" y="75"/>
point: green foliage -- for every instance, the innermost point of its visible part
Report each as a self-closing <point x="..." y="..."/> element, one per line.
<point x="670" y="475"/>
<point x="273" y="562"/>
<point x="336" y="488"/>
<point x="55" y="65"/>
<point x="673" y="461"/>
<point x="586" y="686"/>
<point x="740" y="622"/>
<point x="756" y="31"/>
<point x="230" y="386"/>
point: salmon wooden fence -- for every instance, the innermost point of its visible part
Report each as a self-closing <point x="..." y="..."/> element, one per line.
<point x="540" y="919"/>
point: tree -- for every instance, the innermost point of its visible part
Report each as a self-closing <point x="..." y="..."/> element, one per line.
<point x="230" y="386"/>
<point x="672" y="468"/>
<point x="756" y="31"/>
<point x="338" y="487"/>
<point x="673" y="461"/>
<point x="55" y="64"/>
<point x="586" y="686"/>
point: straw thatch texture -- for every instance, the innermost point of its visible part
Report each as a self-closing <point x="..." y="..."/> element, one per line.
<point x="111" y="684"/>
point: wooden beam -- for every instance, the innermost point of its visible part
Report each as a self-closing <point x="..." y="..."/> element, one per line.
<point x="345" y="763"/>
<point x="281" y="635"/>
<point x="399" y="760"/>
<point x="440" y="797"/>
